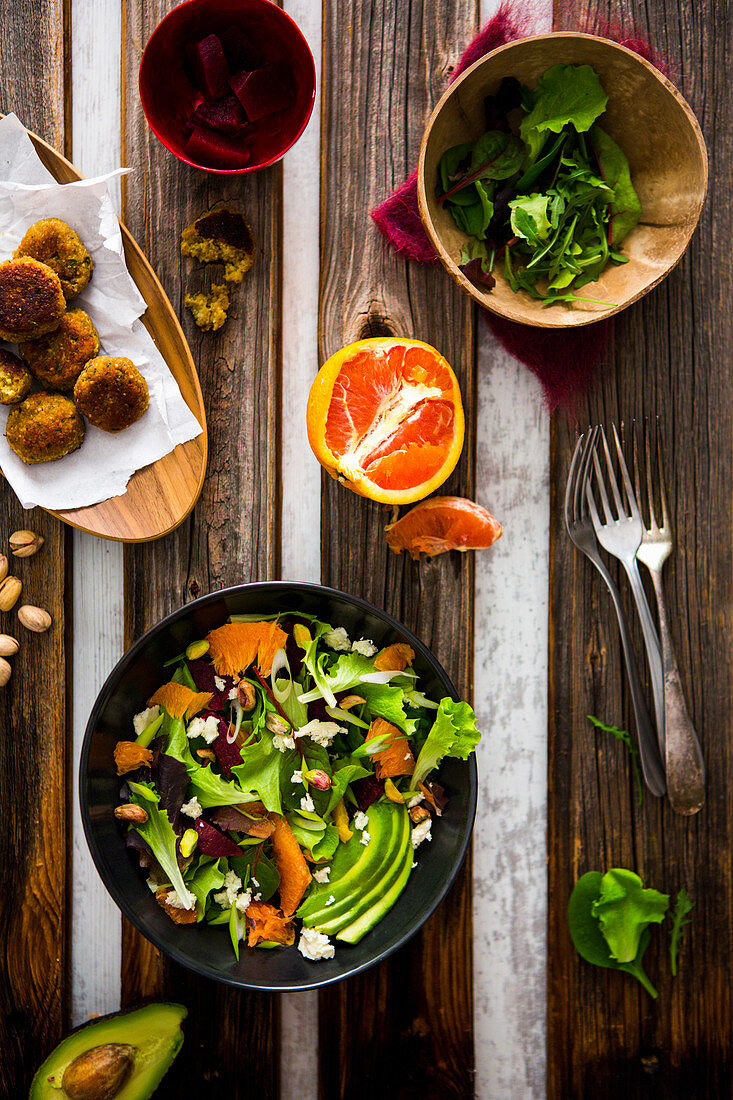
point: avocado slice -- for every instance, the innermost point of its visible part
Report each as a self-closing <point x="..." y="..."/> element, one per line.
<point x="359" y="928"/>
<point x="134" y="1048"/>
<point x="368" y="892"/>
<point x="352" y="862"/>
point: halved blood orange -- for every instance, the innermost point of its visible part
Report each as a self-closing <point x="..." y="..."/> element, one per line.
<point x="385" y="418"/>
<point x="443" y="523"/>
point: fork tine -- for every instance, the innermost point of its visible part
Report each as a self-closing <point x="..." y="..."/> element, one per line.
<point x="612" y="479"/>
<point x="572" y="481"/>
<point x="609" y="516"/>
<point x="592" y="505"/>
<point x="637" y="475"/>
<point x="583" y="475"/>
<point x="630" y="495"/>
<point x="649" y="482"/>
<point x="660" y="472"/>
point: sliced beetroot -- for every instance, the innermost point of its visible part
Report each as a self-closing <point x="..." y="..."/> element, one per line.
<point x="213" y="842"/>
<point x="367" y="790"/>
<point x="226" y="115"/>
<point x="239" y="50"/>
<point x="208" y="66"/>
<point x="172" y="781"/>
<point x="227" y="752"/>
<point x="264" y="91"/>
<point x="205" y="677"/>
<point x="218" y="150"/>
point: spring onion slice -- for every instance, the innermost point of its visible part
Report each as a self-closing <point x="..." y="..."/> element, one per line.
<point x="346" y="716"/>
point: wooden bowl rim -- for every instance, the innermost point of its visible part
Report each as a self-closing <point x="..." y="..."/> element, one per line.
<point x="485" y="299"/>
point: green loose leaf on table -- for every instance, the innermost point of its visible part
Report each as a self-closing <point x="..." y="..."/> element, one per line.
<point x="680" y="919"/>
<point x="624" y="909"/>
<point x="625" y="738"/>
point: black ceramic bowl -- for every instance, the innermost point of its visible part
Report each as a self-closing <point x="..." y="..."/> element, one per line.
<point x="207" y="950"/>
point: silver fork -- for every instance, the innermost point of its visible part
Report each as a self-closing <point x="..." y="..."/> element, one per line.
<point x="580" y="528"/>
<point x="683" y="755"/>
<point x="620" y="535"/>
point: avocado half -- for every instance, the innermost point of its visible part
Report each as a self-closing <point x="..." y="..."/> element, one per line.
<point x="154" y="1034"/>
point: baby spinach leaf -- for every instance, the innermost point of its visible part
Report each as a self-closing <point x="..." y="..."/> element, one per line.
<point x="587" y="937"/>
<point x="614" y="167"/>
<point x="564" y="94"/>
<point x="625" y="737"/>
<point x="496" y="156"/>
<point x="254" y="864"/>
<point x="453" y="161"/>
<point x="680" y="919"/>
<point x="625" y="909"/>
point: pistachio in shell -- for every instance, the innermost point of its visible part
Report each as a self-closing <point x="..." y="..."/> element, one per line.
<point x="99" y="1073"/>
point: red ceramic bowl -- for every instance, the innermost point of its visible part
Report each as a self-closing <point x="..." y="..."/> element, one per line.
<point x="169" y="97"/>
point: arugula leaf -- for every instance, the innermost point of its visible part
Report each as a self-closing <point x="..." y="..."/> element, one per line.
<point x="158" y="832"/>
<point x="680" y="919"/>
<point x="625" y="909"/>
<point x="564" y="94"/>
<point x="453" y="733"/>
<point x="614" y="167"/>
<point x="588" y="938"/>
<point x="625" y="737"/>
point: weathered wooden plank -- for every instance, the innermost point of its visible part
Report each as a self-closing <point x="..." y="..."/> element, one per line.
<point x="405" y="1028"/>
<point x="668" y="359"/>
<point x="34" y="841"/>
<point x="233" y="534"/>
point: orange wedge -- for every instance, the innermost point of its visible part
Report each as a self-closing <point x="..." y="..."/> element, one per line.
<point x="443" y="523"/>
<point x="385" y="418"/>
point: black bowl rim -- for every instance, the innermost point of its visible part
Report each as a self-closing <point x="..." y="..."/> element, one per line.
<point x="110" y="883"/>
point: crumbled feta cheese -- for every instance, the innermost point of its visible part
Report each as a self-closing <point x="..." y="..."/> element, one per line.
<point x="207" y="728"/>
<point x="233" y="694"/>
<point x="254" y="881"/>
<point x="175" y="900"/>
<point x="360" y="820"/>
<point x="142" y="720"/>
<point x="306" y="803"/>
<point x="365" y="646"/>
<point x="321" y="875"/>
<point x="219" y="683"/>
<point x="322" y="733"/>
<point x="314" y="945"/>
<point x="258" y="896"/>
<point x="243" y="901"/>
<point x="232" y="886"/>
<point x="282" y="742"/>
<point x="297" y="776"/>
<point x="192" y="808"/>
<point x="366" y="837"/>
<point x="414" y="864"/>
<point x="416" y="800"/>
<point x="421" y="832"/>
<point x="331" y="900"/>
<point x="337" y="639"/>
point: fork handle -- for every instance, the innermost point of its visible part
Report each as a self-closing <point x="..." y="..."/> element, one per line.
<point x="685" y="764"/>
<point x="651" y="761"/>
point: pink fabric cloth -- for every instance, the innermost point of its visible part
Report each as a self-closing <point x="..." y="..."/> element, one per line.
<point x="564" y="360"/>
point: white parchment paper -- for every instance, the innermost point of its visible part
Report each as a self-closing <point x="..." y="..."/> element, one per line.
<point x="105" y="461"/>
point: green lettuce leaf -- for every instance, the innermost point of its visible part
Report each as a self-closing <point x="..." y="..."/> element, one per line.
<point x="564" y="94"/>
<point x="254" y="861"/>
<point x="625" y="205"/>
<point x="453" y="733"/>
<point x="388" y="701"/>
<point x="209" y="876"/>
<point x="259" y="773"/>
<point x="340" y="781"/>
<point x="343" y="675"/>
<point x="624" y="910"/>
<point x="158" y="832"/>
<point x="529" y="217"/>
<point x="326" y="847"/>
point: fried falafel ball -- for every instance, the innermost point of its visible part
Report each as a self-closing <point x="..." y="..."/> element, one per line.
<point x="56" y="244"/>
<point x="46" y="426"/>
<point x="32" y="302"/>
<point x="57" y="360"/>
<point x="111" y="393"/>
<point x="15" y="378"/>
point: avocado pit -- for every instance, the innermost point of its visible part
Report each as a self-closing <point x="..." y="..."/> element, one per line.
<point x="99" y="1073"/>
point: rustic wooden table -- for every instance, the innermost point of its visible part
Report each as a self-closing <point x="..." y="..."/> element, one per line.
<point x="490" y="999"/>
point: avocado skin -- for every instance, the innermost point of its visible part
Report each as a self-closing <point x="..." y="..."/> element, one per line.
<point x="153" y="1029"/>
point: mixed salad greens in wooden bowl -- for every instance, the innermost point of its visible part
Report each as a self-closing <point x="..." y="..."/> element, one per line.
<point x="281" y="775"/>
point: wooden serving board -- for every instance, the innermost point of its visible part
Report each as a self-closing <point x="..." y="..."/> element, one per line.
<point x="160" y="496"/>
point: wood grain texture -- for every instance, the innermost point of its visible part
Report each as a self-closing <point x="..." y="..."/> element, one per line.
<point x="232" y="534"/>
<point x="34" y="843"/>
<point x="668" y="358"/>
<point x="404" y="1029"/>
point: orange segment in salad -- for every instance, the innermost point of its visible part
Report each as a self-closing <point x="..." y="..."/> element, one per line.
<point x="234" y="646"/>
<point x="179" y="700"/>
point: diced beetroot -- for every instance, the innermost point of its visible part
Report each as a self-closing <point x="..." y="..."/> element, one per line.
<point x="227" y="753"/>
<point x="367" y="790"/>
<point x="209" y="67"/>
<point x="205" y="677"/>
<point x="218" y="150"/>
<point x="212" y="842"/>
<point x="239" y="50"/>
<point x="264" y="91"/>
<point x="226" y="115"/>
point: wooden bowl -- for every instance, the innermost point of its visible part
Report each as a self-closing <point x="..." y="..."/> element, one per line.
<point x="646" y="116"/>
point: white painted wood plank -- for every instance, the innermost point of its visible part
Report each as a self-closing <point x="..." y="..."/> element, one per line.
<point x="97" y="569"/>
<point x="301" y="474"/>
<point x="510" y="670"/>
